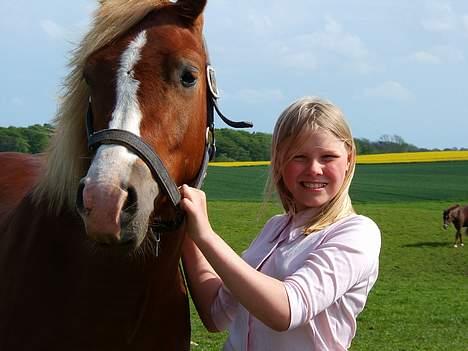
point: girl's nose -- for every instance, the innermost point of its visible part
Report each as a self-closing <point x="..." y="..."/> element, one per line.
<point x="315" y="167"/>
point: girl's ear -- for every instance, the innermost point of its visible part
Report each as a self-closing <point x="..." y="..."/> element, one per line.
<point x="349" y="161"/>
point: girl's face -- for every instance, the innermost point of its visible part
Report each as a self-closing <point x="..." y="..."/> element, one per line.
<point x="317" y="170"/>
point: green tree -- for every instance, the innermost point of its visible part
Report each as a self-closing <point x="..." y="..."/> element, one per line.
<point x="11" y="139"/>
<point x="38" y="137"/>
<point x="32" y="139"/>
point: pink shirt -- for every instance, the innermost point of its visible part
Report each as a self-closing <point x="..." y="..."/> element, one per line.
<point x="327" y="276"/>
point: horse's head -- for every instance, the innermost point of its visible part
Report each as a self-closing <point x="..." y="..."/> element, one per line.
<point x="448" y="215"/>
<point x="151" y="82"/>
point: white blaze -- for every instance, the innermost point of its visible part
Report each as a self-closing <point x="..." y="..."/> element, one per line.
<point x="114" y="162"/>
<point x="127" y="114"/>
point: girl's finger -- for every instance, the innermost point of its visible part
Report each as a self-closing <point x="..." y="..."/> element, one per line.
<point x="184" y="190"/>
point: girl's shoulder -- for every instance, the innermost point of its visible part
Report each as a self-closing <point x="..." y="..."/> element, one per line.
<point x="276" y="220"/>
<point x="355" y="228"/>
<point x="354" y="221"/>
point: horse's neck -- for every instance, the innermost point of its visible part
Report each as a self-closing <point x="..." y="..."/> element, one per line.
<point x="18" y="175"/>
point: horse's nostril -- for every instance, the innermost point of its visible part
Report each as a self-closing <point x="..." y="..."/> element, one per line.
<point x="79" y="197"/>
<point x="130" y="205"/>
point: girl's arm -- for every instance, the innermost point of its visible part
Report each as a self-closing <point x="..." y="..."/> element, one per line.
<point x="263" y="296"/>
<point x="203" y="282"/>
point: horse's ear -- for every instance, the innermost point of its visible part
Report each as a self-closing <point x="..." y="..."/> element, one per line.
<point x="191" y="9"/>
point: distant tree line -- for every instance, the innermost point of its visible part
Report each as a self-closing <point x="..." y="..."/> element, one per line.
<point x="385" y="144"/>
<point x="32" y="139"/>
<point x="231" y="145"/>
<point x="239" y="145"/>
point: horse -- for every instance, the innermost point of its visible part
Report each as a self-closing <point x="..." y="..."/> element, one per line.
<point x="91" y="230"/>
<point x="458" y="216"/>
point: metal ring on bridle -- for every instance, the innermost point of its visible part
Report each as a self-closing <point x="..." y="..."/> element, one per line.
<point x="211" y="78"/>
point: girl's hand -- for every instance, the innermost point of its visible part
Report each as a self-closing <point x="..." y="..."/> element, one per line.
<point x="194" y="204"/>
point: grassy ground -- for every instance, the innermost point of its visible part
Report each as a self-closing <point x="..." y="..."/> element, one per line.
<point x="420" y="300"/>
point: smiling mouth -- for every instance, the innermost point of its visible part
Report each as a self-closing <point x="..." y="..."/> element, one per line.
<point x="309" y="185"/>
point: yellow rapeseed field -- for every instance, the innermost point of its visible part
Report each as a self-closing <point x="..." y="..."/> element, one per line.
<point x="403" y="157"/>
<point x="240" y="163"/>
<point x="412" y="157"/>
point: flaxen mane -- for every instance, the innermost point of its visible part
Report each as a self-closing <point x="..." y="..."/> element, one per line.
<point x="66" y="155"/>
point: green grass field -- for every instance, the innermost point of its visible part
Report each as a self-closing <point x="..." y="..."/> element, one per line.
<point x="420" y="301"/>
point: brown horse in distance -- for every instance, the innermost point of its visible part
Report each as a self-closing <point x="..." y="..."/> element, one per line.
<point x="458" y="216"/>
<point x="81" y="272"/>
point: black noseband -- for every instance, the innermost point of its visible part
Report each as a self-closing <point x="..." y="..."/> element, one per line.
<point x="142" y="150"/>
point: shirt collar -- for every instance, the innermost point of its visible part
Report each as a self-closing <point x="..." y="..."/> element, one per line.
<point x="295" y="224"/>
<point x="300" y="219"/>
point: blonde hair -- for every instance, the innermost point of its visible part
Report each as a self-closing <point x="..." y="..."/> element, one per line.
<point x="293" y="127"/>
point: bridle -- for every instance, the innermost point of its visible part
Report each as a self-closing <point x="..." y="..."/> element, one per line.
<point x="146" y="153"/>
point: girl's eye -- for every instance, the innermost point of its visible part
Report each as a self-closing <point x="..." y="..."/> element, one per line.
<point x="299" y="158"/>
<point x="330" y="157"/>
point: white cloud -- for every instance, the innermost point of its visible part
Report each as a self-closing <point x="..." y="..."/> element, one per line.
<point x="440" y="17"/>
<point x="331" y="45"/>
<point x="389" y="90"/>
<point x="301" y="60"/>
<point x="424" y="57"/>
<point x="442" y="54"/>
<point x="336" y="40"/>
<point x="52" y="29"/>
<point x="260" y="23"/>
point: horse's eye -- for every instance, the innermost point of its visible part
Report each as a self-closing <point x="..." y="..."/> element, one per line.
<point x="188" y="78"/>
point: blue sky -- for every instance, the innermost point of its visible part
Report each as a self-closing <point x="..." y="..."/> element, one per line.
<point x="395" y="67"/>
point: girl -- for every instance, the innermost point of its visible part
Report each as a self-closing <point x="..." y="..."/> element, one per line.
<point x="305" y="278"/>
